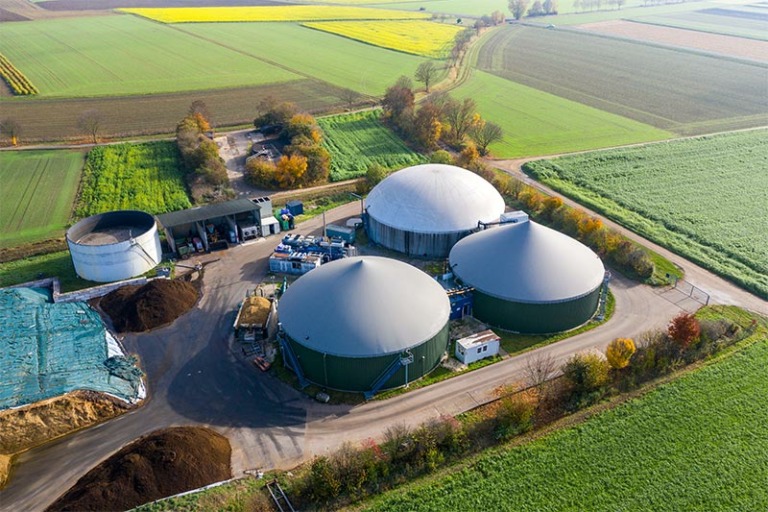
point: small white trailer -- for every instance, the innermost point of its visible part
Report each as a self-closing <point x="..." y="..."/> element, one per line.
<point x="477" y="346"/>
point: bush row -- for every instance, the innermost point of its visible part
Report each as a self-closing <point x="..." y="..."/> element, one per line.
<point x="16" y="80"/>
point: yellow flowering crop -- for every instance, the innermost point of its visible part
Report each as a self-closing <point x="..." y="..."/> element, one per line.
<point x="287" y="13"/>
<point x="417" y="37"/>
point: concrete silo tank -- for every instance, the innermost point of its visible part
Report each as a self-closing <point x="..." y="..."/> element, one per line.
<point x="350" y="320"/>
<point x="529" y="278"/>
<point x="115" y="245"/>
<point x="423" y="210"/>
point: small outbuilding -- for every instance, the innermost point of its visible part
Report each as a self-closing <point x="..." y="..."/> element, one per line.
<point x="477" y="346"/>
<point x="425" y="209"/>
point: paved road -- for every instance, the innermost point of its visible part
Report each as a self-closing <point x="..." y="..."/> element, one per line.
<point x="194" y="379"/>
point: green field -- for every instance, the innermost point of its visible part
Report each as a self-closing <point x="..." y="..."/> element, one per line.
<point x="698" y="443"/>
<point x="355" y="141"/>
<point x="538" y="123"/>
<point x="673" y="90"/>
<point x="37" y="193"/>
<point x="703" y="198"/>
<point x="145" y="177"/>
<point x="339" y="61"/>
<point x="121" y="55"/>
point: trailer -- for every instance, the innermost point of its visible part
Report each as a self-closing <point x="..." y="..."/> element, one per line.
<point x="254" y="319"/>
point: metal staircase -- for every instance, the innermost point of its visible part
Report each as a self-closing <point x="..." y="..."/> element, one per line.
<point x="290" y="360"/>
<point x="400" y="361"/>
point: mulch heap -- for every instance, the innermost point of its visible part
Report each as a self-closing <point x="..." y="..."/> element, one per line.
<point x="135" y="308"/>
<point x="164" y="463"/>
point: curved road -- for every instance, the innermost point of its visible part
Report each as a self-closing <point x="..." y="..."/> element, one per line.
<point x="194" y="379"/>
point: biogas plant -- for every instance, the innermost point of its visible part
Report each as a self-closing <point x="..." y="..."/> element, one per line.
<point x="370" y="323"/>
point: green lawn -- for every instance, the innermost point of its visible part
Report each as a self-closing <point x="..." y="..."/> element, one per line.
<point x="56" y="264"/>
<point x="147" y="177"/>
<point x="670" y="89"/>
<point x="698" y="443"/>
<point x="342" y="62"/>
<point x="37" y="193"/>
<point x="355" y="141"/>
<point x="703" y="198"/>
<point x="123" y="55"/>
<point x="538" y="123"/>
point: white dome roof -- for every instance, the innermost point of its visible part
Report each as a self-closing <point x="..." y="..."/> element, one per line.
<point x="364" y="307"/>
<point x="434" y="198"/>
<point x="528" y="263"/>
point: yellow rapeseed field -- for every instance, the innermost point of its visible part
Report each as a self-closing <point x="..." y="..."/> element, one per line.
<point x="417" y="37"/>
<point x="287" y="13"/>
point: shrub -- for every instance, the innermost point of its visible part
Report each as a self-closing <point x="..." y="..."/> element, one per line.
<point x="587" y="375"/>
<point x="684" y="329"/>
<point x="619" y="352"/>
<point x="515" y="414"/>
<point x="260" y="173"/>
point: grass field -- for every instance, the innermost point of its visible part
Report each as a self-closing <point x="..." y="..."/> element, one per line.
<point x="260" y="14"/>
<point x="424" y="38"/>
<point x="145" y="177"/>
<point x="56" y="264"/>
<point x="697" y="443"/>
<point x="703" y="198"/>
<point x="716" y="21"/>
<point x="336" y="60"/>
<point x="676" y="90"/>
<point x="55" y="119"/>
<point x="358" y="140"/>
<point x="37" y="193"/>
<point x="121" y="55"/>
<point x="538" y="123"/>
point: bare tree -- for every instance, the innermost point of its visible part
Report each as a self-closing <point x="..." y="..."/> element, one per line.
<point x="90" y="122"/>
<point x="460" y="116"/>
<point x="12" y="129"/>
<point x="518" y="8"/>
<point x="485" y="134"/>
<point x="426" y="73"/>
<point x="539" y="369"/>
<point x="349" y="96"/>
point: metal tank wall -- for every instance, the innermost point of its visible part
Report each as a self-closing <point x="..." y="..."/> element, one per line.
<point x="358" y="374"/>
<point x="115" y="261"/>
<point x="535" y="318"/>
<point x="425" y="245"/>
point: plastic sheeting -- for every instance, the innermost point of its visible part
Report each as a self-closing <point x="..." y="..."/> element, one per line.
<point x="49" y="349"/>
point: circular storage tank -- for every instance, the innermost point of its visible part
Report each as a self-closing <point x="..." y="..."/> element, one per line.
<point x="115" y="245"/>
<point x="349" y="320"/>
<point x="425" y="209"/>
<point x="529" y="278"/>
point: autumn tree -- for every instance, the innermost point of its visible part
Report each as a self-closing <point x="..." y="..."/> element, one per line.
<point x="272" y="112"/>
<point x="290" y="169"/>
<point x="318" y="160"/>
<point x="460" y="116"/>
<point x="11" y="129"/>
<point x="468" y="156"/>
<point x="586" y="372"/>
<point x="427" y="128"/>
<point x="619" y="352"/>
<point x="518" y="8"/>
<point x="302" y="125"/>
<point x="398" y="104"/>
<point x="426" y="73"/>
<point x="484" y="134"/>
<point x="260" y="173"/>
<point x="91" y="123"/>
<point x="200" y="109"/>
<point x="684" y="329"/>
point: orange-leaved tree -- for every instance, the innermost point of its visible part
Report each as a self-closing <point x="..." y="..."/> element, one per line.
<point x="290" y="169"/>
<point x="684" y="329"/>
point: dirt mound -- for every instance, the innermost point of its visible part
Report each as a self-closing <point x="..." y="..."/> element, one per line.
<point x="164" y="463"/>
<point x="142" y="308"/>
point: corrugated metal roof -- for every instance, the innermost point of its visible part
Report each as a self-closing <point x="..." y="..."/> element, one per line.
<point x="434" y="198"/>
<point x="210" y="211"/>
<point x="528" y="263"/>
<point x="364" y="307"/>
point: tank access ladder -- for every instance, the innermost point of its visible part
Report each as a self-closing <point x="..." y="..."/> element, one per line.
<point x="279" y="497"/>
<point x="292" y="361"/>
<point x="603" y="300"/>
<point x="400" y="361"/>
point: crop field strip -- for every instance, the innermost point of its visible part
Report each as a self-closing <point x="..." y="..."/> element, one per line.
<point x="146" y="177"/>
<point x="37" y="194"/>
<point x="15" y="79"/>
<point x="716" y="21"/>
<point x="679" y="91"/>
<point x="339" y="61"/>
<point x="122" y="55"/>
<point x="703" y="198"/>
<point x="267" y="14"/>
<point x="355" y="141"/>
<point x="539" y="123"/>
<point x="737" y="47"/>
<point x="55" y="119"/>
<point x="424" y="38"/>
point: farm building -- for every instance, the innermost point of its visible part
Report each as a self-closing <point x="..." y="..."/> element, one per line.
<point x="477" y="346"/>
<point x="114" y="246"/>
<point x="364" y="324"/>
<point x="425" y="209"/>
<point x="529" y="278"/>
